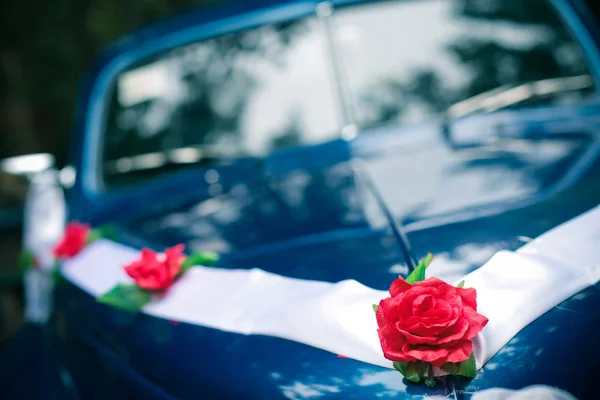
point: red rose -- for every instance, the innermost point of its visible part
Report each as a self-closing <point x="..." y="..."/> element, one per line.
<point x="429" y="321"/>
<point x="73" y="240"/>
<point x="156" y="272"/>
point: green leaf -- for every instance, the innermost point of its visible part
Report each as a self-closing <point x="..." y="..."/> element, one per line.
<point x="375" y="307"/>
<point x="205" y="258"/>
<point x="107" y="231"/>
<point x="418" y="273"/>
<point x="400" y="367"/>
<point x="430" y="381"/>
<point x="26" y="260"/>
<point x="129" y="298"/>
<point x="465" y="368"/>
<point x="412" y="371"/>
<point x="93" y="236"/>
<point x="461" y="284"/>
<point x="56" y="273"/>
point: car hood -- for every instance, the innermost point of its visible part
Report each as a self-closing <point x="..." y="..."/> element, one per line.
<point x="312" y="217"/>
<point x="329" y="212"/>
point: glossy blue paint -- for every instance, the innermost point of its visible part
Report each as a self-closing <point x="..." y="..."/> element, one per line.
<point x="303" y="213"/>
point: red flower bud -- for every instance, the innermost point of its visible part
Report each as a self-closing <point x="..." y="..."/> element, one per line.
<point x="73" y="240"/>
<point x="156" y="272"/>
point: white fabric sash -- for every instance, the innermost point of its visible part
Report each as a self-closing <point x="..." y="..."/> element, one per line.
<point x="514" y="288"/>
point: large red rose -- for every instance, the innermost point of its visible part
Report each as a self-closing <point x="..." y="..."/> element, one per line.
<point x="154" y="271"/>
<point x="429" y="321"/>
<point x="73" y="240"/>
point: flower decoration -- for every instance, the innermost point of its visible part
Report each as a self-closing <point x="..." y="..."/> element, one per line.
<point x="75" y="238"/>
<point x="152" y="274"/>
<point x="427" y="323"/>
<point x="73" y="241"/>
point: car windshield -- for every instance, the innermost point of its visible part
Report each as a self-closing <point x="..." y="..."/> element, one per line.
<point x="248" y="93"/>
<point x="409" y="61"/>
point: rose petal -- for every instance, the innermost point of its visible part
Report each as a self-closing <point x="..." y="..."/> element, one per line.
<point x="428" y="326"/>
<point x="449" y="294"/>
<point x="406" y="299"/>
<point x="469" y="297"/>
<point x="73" y="241"/>
<point x="416" y="291"/>
<point x="437" y="314"/>
<point x="422" y="304"/>
<point x="379" y="315"/>
<point x="459" y="352"/>
<point x="391" y="344"/>
<point x="476" y="322"/>
<point x="391" y="307"/>
<point x="147" y="255"/>
<point x="441" y="310"/>
<point x="399" y="286"/>
<point x="432" y="282"/>
<point x="454" y="333"/>
<point x="430" y="354"/>
<point x="416" y="339"/>
<point x="149" y="272"/>
<point x="174" y="257"/>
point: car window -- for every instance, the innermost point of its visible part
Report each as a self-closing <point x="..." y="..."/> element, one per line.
<point x="243" y="94"/>
<point x="409" y="61"/>
<point x="405" y="62"/>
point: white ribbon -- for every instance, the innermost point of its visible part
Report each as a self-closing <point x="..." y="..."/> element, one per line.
<point x="513" y="288"/>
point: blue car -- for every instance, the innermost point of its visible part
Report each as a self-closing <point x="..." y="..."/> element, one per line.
<point x="331" y="141"/>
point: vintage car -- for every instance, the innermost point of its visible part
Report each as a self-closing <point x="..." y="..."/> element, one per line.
<point x="331" y="141"/>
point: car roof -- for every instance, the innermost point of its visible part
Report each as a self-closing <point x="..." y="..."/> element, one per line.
<point x="221" y="14"/>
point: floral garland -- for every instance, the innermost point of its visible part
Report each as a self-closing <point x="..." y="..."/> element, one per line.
<point x="75" y="237"/>
<point x="152" y="273"/>
<point x="427" y="325"/>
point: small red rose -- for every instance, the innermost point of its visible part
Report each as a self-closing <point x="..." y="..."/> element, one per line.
<point x="153" y="271"/>
<point x="73" y="241"/>
<point x="428" y="321"/>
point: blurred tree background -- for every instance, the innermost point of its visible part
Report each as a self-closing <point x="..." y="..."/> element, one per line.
<point x="45" y="49"/>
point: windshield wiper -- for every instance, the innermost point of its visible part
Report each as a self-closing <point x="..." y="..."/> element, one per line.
<point x="396" y="227"/>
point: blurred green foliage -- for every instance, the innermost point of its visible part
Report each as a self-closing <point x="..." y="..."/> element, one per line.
<point x="45" y="48"/>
